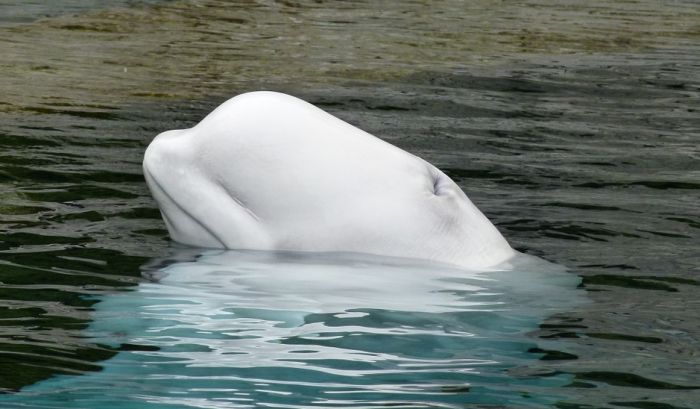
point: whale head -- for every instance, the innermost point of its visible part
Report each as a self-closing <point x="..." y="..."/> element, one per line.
<point x="268" y="171"/>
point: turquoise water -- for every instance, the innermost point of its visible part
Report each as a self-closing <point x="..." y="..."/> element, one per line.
<point x="240" y="329"/>
<point x="573" y="126"/>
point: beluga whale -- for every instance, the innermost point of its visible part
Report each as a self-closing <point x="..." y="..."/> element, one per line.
<point x="269" y="171"/>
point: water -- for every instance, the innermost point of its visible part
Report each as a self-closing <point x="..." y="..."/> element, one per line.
<point x="575" y="128"/>
<point x="235" y="329"/>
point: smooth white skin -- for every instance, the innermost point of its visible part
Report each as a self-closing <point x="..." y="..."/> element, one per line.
<point x="268" y="171"/>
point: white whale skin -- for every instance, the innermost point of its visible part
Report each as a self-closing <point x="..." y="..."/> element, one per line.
<point x="268" y="171"/>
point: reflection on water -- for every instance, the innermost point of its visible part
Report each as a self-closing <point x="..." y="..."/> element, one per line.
<point x="573" y="126"/>
<point x="234" y="329"/>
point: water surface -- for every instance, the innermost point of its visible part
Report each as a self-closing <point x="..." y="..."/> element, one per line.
<point x="242" y="329"/>
<point x="575" y="128"/>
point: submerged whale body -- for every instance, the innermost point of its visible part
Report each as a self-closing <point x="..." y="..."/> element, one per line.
<point x="268" y="171"/>
<point x="229" y="329"/>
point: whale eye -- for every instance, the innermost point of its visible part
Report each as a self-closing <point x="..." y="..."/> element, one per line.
<point x="440" y="180"/>
<point x="436" y="184"/>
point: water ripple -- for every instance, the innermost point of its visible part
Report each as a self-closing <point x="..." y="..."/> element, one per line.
<point x="579" y="141"/>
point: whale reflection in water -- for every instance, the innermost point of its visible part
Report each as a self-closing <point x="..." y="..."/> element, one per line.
<point x="220" y="329"/>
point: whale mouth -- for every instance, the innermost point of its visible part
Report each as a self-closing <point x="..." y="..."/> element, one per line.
<point x="177" y="218"/>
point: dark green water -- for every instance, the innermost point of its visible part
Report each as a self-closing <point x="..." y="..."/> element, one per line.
<point x="574" y="128"/>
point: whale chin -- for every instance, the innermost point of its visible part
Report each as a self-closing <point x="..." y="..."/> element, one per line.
<point x="181" y="225"/>
<point x="267" y="171"/>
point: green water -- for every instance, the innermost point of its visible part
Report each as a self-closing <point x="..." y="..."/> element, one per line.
<point x="575" y="128"/>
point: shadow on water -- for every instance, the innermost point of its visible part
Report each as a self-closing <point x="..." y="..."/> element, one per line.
<point x="297" y="330"/>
